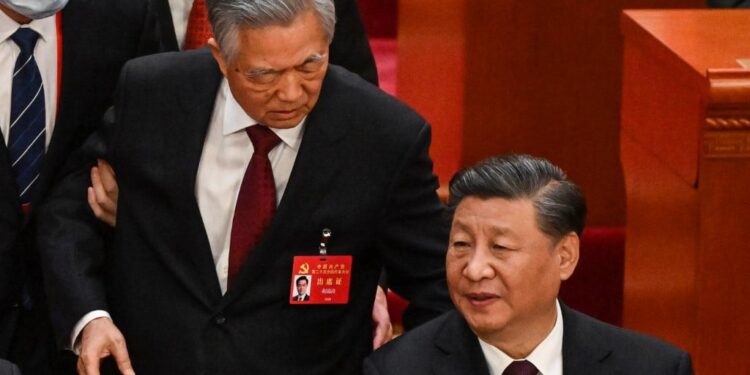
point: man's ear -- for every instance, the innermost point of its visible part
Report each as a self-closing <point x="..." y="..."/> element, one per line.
<point x="568" y="250"/>
<point x="216" y="52"/>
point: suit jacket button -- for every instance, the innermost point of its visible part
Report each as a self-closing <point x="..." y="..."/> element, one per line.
<point x="220" y="319"/>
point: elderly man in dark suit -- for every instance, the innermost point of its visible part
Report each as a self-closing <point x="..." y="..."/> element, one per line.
<point x="231" y="166"/>
<point x="515" y="236"/>
<point x="73" y="56"/>
<point x="350" y="49"/>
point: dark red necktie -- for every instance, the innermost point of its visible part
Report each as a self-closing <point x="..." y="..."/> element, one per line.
<point x="198" y="29"/>
<point x="256" y="201"/>
<point x="521" y="368"/>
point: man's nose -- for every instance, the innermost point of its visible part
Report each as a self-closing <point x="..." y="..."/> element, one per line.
<point x="479" y="265"/>
<point x="290" y="87"/>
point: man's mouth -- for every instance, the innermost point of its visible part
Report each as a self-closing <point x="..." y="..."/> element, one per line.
<point x="481" y="299"/>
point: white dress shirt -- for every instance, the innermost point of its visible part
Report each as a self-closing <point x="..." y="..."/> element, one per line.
<point x="227" y="151"/>
<point x="546" y="357"/>
<point x="45" y="54"/>
<point x="226" y="154"/>
<point x="180" y="10"/>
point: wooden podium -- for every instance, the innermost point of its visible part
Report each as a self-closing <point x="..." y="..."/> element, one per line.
<point x="685" y="151"/>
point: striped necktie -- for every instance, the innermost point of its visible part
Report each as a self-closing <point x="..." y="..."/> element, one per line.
<point x="27" y="116"/>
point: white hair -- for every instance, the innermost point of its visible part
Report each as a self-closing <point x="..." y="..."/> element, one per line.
<point x="227" y="17"/>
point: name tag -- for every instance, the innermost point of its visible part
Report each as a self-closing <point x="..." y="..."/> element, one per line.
<point x="320" y="280"/>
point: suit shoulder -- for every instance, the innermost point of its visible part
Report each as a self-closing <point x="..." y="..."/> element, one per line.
<point x="353" y="92"/>
<point x="634" y="339"/>
<point x="629" y="348"/>
<point x="164" y="66"/>
<point x="413" y="351"/>
<point x="100" y="12"/>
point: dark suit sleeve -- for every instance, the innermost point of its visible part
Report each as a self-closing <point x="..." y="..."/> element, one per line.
<point x="415" y="235"/>
<point x="71" y="240"/>
<point x="368" y="368"/>
<point x="350" y="47"/>
<point x="10" y="257"/>
<point x="685" y="365"/>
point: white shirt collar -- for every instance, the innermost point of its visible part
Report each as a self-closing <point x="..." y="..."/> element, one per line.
<point x="546" y="357"/>
<point x="45" y="27"/>
<point x="236" y="119"/>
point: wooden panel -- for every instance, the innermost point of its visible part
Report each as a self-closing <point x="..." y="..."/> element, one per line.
<point x="724" y="248"/>
<point x="706" y="39"/>
<point x="724" y="272"/>
<point x="686" y="156"/>
<point x="536" y="77"/>
<point x="431" y="39"/>
<point x="661" y="109"/>
<point x="660" y="248"/>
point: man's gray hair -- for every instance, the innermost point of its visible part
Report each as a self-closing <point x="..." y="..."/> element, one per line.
<point x="228" y="17"/>
<point x="559" y="204"/>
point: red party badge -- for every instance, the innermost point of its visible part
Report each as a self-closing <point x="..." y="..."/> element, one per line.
<point x="321" y="279"/>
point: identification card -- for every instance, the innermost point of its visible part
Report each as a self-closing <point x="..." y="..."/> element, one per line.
<point x="321" y="279"/>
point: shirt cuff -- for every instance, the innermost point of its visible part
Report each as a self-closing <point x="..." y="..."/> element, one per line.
<point x="75" y="343"/>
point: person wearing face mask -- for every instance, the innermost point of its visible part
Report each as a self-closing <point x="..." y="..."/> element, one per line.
<point x="59" y="61"/>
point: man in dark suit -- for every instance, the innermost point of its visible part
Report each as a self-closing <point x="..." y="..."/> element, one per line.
<point x="79" y="52"/>
<point x="167" y="297"/>
<point x="350" y="48"/>
<point x="515" y="236"/>
<point x="301" y="284"/>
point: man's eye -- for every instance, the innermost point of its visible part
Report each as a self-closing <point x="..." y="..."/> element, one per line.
<point x="310" y="67"/>
<point x="263" y="78"/>
<point x="460" y="244"/>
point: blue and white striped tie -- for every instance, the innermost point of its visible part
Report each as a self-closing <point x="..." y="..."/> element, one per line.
<point x="27" y="116"/>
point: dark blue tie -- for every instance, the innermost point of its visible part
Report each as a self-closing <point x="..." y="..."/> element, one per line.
<point x="27" y="130"/>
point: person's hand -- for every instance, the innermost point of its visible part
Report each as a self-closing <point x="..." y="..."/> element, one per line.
<point x="100" y="339"/>
<point x="383" y="331"/>
<point x="102" y="195"/>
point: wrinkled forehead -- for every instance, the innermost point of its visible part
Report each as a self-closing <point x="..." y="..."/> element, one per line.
<point x="282" y="46"/>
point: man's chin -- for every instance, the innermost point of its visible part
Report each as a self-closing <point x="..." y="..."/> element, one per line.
<point x="484" y="322"/>
<point x="279" y="122"/>
<point x="485" y="327"/>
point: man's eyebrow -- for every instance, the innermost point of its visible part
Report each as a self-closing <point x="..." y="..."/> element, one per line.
<point x="314" y="58"/>
<point x="259" y="71"/>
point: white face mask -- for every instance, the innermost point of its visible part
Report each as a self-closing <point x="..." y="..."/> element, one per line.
<point x="35" y="9"/>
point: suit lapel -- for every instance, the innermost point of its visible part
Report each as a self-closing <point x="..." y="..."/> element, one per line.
<point x="584" y="350"/>
<point x="460" y="348"/>
<point x="168" y="38"/>
<point x="317" y="162"/>
<point x="191" y="260"/>
<point x="57" y="149"/>
<point x="8" y="181"/>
